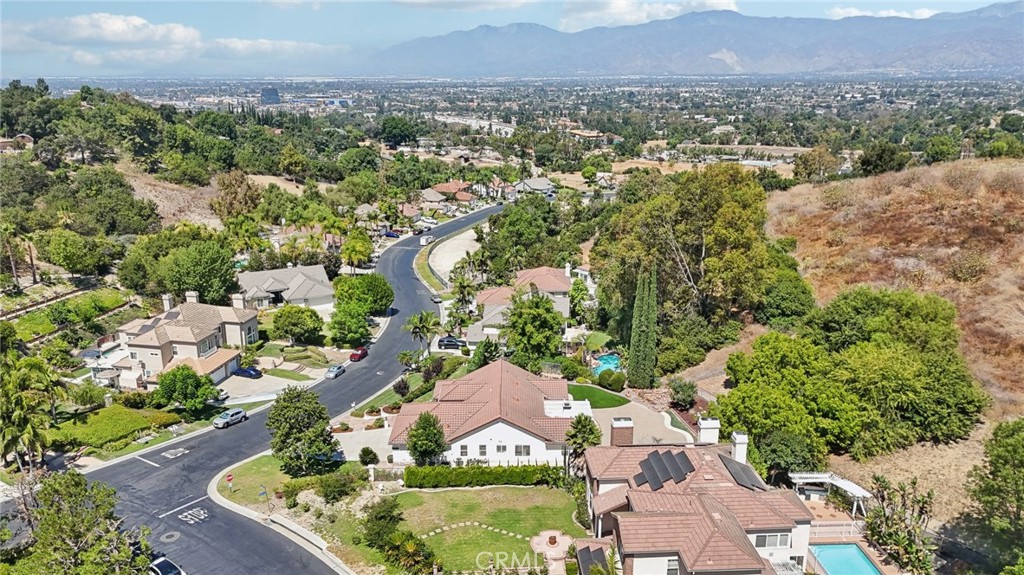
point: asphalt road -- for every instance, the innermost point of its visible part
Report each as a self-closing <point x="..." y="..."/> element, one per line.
<point x="168" y="494"/>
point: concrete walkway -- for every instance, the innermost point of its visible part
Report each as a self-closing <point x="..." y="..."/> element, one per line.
<point x="447" y="253"/>
<point x="648" y="426"/>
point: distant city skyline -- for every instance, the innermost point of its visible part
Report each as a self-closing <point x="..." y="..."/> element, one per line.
<point x="300" y="38"/>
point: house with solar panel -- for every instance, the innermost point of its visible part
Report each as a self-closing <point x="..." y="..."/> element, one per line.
<point x="193" y="334"/>
<point x="694" y="509"/>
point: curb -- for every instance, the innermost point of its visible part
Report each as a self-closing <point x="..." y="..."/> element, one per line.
<point x="163" y="445"/>
<point x="300" y="535"/>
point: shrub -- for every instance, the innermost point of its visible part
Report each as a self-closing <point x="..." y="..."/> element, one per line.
<point x="476" y="476"/>
<point x="367" y="456"/>
<point x="835" y="197"/>
<point x="358" y="413"/>
<point x="967" y="266"/>
<point x="344" y="426"/>
<point x="450" y="365"/>
<point x="333" y="487"/>
<point x="104" y="426"/>
<point x="395" y="405"/>
<point x="119" y="444"/>
<point x="465" y="350"/>
<point x="616" y="382"/>
<point x="684" y="392"/>
<point x="401" y="387"/>
<point x="293" y="349"/>
<point x="133" y="399"/>
<point x="297" y="356"/>
<point x="372" y="410"/>
<point x="571" y="368"/>
<point x="377" y="424"/>
<point x="86" y="394"/>
<point x="318" y="512"/>
<point x="305" y="507"/>
<point x="160" y="419"/>
<point x="788" y="297"/>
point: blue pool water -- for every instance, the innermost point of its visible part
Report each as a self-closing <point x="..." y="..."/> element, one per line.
<point x="844" y="559"/>
<point x="607" y="361"/>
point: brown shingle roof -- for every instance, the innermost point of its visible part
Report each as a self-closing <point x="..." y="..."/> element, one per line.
<point x="451" y="188"/>
<point x="497" y="391"/>
<point x="205" y="365"/>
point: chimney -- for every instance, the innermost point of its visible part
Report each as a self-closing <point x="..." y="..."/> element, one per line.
<point x="622" y="431"/>
<point x="739" y="446"/>
<point x="568" y="270"/>
<point x="238" y="300"/>
<point x="168" y="300"/>
<point x="707" y="430"/>
<point x="192" y="297"/>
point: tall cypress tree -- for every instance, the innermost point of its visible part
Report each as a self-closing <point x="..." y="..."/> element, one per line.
<point x="643" y="342"/>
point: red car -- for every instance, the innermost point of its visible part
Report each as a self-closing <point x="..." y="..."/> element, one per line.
<point x="358" y="354"/>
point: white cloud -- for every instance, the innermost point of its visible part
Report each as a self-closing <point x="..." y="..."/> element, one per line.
<point x="837" y="12"/>
<point x="103" y="28"/>
<point x="123" y="42"/>
<point x="86" y="58"/>
<point x="582" y="14"/>
<point x="467" y="5"/>
<point x="246" y="48"/>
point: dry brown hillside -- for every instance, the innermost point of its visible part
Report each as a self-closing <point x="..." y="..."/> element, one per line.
<point x="174" y="203"/>
<point x="956" y="230"/>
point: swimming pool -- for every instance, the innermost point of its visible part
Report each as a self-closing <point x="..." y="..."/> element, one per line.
<point x="607" y="361"/>
<point x="844" y="559"/>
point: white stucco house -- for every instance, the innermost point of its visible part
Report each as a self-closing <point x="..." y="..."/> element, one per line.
<point x="691" y="509"/>
<point x="499" y="414"/>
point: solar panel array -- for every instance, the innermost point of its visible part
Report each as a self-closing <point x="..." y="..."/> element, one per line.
<point x="743" y="474"/>
<point x="660" y="467"/>
<point x="588" y="558"/>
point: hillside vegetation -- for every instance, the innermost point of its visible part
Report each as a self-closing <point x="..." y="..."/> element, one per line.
<point x="954" y="229"/>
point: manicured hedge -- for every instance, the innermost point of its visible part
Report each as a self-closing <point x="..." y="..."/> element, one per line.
<point x="158" y="418"/>
<point x="297" y="356"/>
<point x="478" y="476"/>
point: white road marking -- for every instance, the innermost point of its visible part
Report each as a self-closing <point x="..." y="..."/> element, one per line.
<point x="194" y="515"/>
<point x="182" y="507"/>
<point x="147" y="461"/>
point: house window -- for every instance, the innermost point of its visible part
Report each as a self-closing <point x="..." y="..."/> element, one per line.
<point x="673" y="567"/>
<point x="771" y="541"/>
<point x="464" y="450"/>
<point x="204" y="346"/>
<point x="174" y="350"/>
<point x="153" y="354"/>
<point x="483" y="451"/>
<point x="522" y="451"/>
<point x="502" y="448"/>
<point x="133" y="355"/>
<point x="148" y="373"/>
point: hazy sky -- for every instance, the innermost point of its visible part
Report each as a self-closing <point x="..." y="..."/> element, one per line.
<point x="298" y="37"/>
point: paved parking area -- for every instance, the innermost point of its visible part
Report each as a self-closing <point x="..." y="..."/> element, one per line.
<point x="352" y="441"/>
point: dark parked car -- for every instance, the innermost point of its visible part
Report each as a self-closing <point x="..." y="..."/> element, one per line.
<point x="417" y="231"/>
<point x="359" y="353"/>
<point x="391" y="234"/>
<point x="451" y="342"/>
<point x="250" y="372"/>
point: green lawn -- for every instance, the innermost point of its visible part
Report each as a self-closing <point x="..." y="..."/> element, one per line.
<point x="250" y="478"/>
<point x="287" y="374"/>
<point x="676" y="422"/>
<point x="522" y="511"/>
<point x="599" y="398"/>
<point x="271" y="350"/>
<point x="37" y="322"/>
<point x="423" y="268"/>
<point x="389" y="396"/>
<point x="81" y="371"/>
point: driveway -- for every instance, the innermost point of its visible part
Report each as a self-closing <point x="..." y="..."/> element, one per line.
<point x="648" y="426"/>
<point x="245" y="390"/>
<point x="353" y="441"/>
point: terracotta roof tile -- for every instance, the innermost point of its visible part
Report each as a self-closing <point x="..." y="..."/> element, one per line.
<point x="547" y="279"/>
<point x="497" y="391"/>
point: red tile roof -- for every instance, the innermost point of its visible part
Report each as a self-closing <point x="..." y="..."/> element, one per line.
<point x="704" y="517"/>
<point x="547" y="279"/>
<point x="498" y="391"/>
<point x="452" y="187"/>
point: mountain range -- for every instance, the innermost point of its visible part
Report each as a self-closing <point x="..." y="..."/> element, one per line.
<point x="989" y="39"/>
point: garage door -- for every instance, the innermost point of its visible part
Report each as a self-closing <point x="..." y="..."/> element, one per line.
<point x="218" y="374"/>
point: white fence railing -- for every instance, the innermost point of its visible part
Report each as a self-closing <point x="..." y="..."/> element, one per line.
<point x="836" y="530"/>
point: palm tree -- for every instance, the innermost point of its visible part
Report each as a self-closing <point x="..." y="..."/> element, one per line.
<point x="463" y="289"/>
<point x="28" y="243"/>
<point x="41" y="379"/>
<point x="65" y="218"/>
<point x="422" y="327"/>
<point x="290" y="247"/>
<point x="8" y="235"/>
<point x="22" y="416"/>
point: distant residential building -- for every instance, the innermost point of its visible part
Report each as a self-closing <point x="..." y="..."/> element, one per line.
<point x="269" y="96"/>
<point x="305" y="286"/>
<point x="499" y="414"/>
<point x="190" y="334"/>
<point x="450" y="189"/>
<point x="535" y="185"/>
<point x="494" y="302"/>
